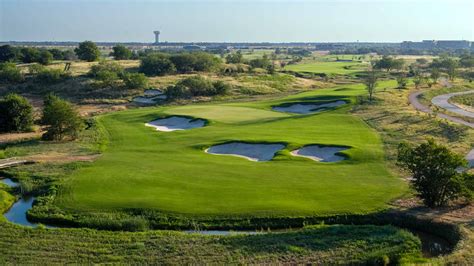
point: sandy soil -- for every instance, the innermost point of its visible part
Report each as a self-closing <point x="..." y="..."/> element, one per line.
<point x="251" y="151"/>
<point x="176" y="123"/>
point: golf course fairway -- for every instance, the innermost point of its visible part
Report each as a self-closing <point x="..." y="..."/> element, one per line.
<point x="170" y="172"/>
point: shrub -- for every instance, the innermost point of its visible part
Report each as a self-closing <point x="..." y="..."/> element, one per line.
<point x="106" y="73"/>
<point x="221" y="87"/>
<point x="196" y="86"/>
<point x="45" y="57"/>
<point x="50" y="76"/>
<point x="156" y="65"/>
<point x="263" y="62"/>
<point x="9" y="73"/>
<point x="62" y="119"/>
<point x="16" y="114"/>
<point x="177" y="91"/>
<point x="135" y="80"/>
<point x="435" y="172"/>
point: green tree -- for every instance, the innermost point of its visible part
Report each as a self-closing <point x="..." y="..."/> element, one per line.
<point x="8" y="53"/>
<point x="418" y="80"/>
<point x="435" y="75"/>
<point x="402" y="81"/>
<point x="157" y="65"/>
<point x="370" y="82"/>
<point x="388" y="63"/>
<point x="467" y="61"/>
<point x="9" y="73"/>
<point x="184" y="62"/>
<point x="16" y="114"/>
<point x="135" y="80"/>
<point x="206" y="62"/>
<point x="30" y="55"/>
<point x="435" y="172"/>
<point x="121" y="52"/>
<point x="62" y="119"/>
<point x="235" y="58"/>
<point x="87" y="51"/>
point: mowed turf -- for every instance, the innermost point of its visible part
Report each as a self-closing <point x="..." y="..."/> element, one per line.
<point x="329" y="68"/>
<point x="170" y="172"/>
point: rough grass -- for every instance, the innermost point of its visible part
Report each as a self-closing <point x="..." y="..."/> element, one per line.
<point x="169" y="172"/>
<point x="317" y="245"/>
<point x="467" y="100"/>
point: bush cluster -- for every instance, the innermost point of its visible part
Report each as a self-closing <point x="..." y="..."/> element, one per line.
<point x="107" y="74"/>
<point x="16" y="114"/>
<point x="159" y="64"/>
<point x="196" y="86"/>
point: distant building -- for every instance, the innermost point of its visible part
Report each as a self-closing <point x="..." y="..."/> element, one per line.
<point x="454" y="44"/>
<point x="193" y="47"/>
<point x="433" y="44"/>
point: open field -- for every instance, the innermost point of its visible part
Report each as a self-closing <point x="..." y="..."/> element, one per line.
<point x="145" y="169"/>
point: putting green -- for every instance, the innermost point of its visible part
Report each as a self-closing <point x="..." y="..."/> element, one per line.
<point x="170" y="172"/>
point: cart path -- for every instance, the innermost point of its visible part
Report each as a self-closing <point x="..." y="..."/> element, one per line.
<point x="413" y="98"/>
<point x="442" y="102"/>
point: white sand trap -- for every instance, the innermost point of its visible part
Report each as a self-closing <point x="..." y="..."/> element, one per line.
<point x="300" y="108"/>
<point x="176" y="123"/>
<point x="320" y="153"/>
<point x="250" y="151"/>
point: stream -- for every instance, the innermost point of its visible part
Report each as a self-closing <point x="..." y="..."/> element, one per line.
<point x="432" y="246"/>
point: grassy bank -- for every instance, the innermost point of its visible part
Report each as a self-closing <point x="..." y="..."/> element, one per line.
<point x="317" y="244"/>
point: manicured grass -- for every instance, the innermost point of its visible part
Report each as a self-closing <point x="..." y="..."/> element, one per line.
<point x="317" y="245"/>
<point x="329" y="68"/>
<point x="170" y="172"/>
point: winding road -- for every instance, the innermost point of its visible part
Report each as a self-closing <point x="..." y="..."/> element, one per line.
<point x="442" y="102"/>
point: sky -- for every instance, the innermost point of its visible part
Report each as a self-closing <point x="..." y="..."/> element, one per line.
<point x="236" y="21"/>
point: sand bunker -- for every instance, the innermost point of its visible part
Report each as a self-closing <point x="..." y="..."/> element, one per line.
<point x="306" y="108"/>
<point x="176" y="123"/>
<point x="150" y="96"/>
<point x="250" y="151"/>
<point x="152" y="92"/>
<point x="320" y="153"/>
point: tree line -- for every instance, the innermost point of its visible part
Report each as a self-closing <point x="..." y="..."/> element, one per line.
<point x="61" y="119"/>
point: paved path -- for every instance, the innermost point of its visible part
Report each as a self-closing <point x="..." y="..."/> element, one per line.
<point x="5" y="163"/>
<point x="443" y="101"/>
